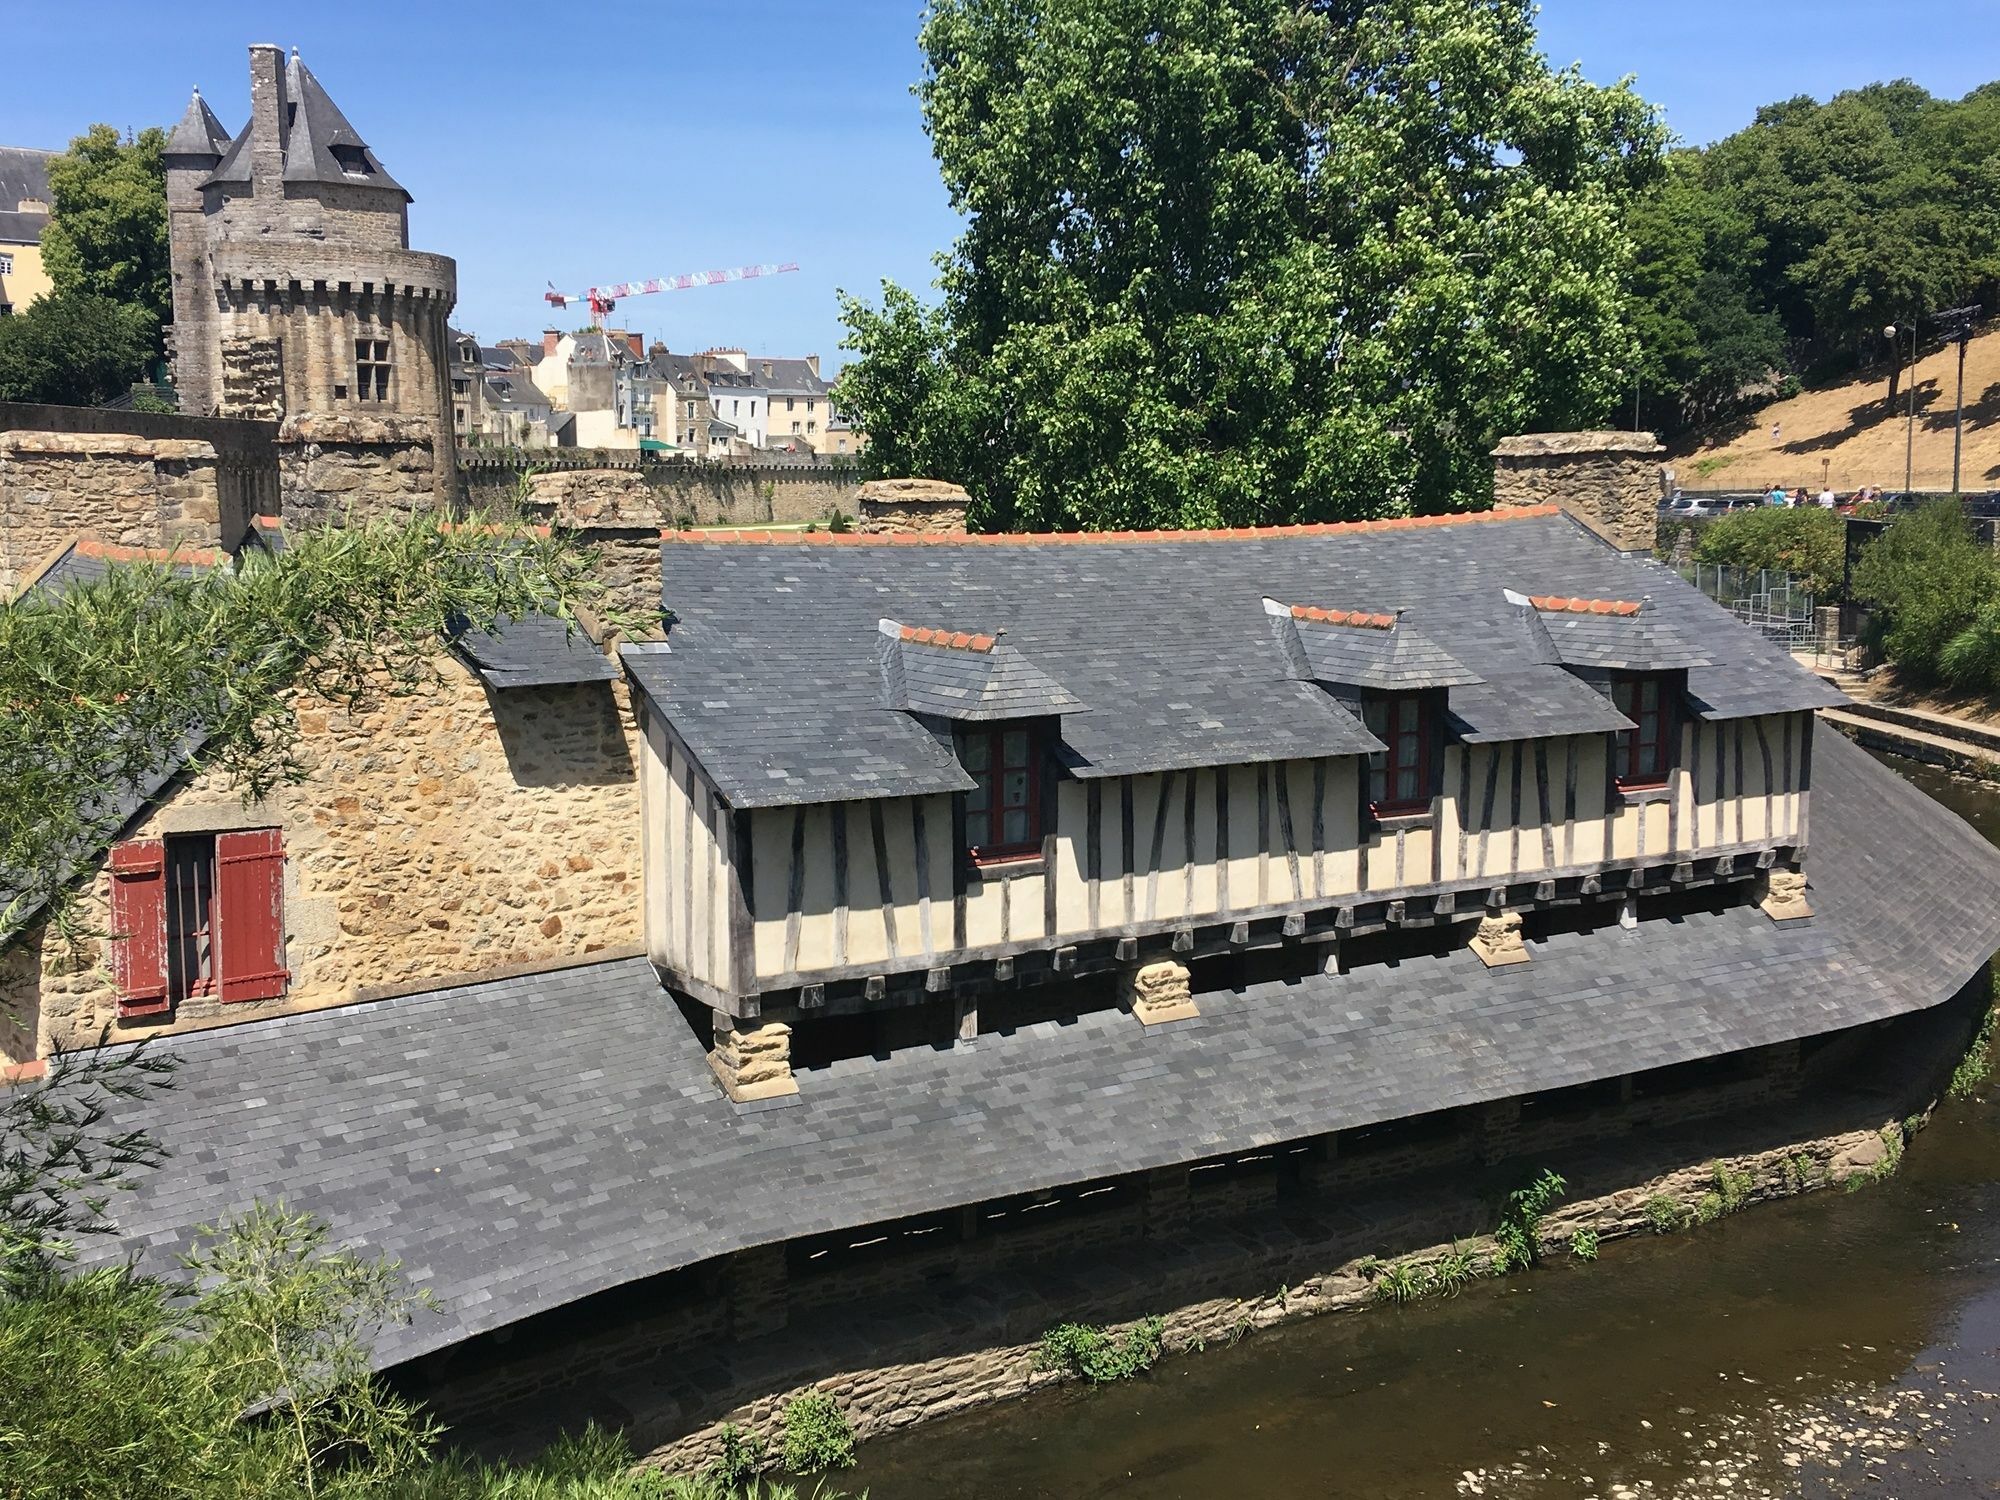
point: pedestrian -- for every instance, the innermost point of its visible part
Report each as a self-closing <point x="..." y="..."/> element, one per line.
<point x="1777" y="495"/>
<point x="1777" y="433"/>
<point x="1826" y="500"/>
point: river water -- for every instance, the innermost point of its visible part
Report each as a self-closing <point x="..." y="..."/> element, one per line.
<point x="1832" y="1345"/>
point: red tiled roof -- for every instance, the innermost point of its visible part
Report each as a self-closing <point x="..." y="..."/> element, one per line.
<point x="199" y="557"/>
<point x="956" y="640"/>
<point x="1355" y="617"/>
<point x="1555" y="604"/>
<point x="1085" y="538"/>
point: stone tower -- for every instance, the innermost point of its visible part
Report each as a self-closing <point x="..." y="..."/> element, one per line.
<point x="296" y="293"/>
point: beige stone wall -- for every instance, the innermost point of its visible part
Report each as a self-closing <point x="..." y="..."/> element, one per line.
<point x="341" y="470"/>
<point x="924" y="507"/>
<point x="686" y="494"/>
<point x="1608" y="480"/>
<point x="131" y="491"/>
<point x="437" y="836"/>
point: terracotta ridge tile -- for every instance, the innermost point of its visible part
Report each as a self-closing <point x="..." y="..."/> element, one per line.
<point x="1087" y="538"/>
<point x="1360" y="619"/>
<point x="1556" y="604"/>
<point x="954" y="640"/>
<point x="206" y="557"/>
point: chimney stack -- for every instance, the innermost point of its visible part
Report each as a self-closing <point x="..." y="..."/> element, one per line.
<point x="550" y="338"/>
<point x="636" y="342"/>
<point x="920" y="507"/>
<point x="1610" y="481"/>
<point x="267" y="120"/>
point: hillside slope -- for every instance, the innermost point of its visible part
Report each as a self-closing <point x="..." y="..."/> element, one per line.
<point x="1846" y="436"/>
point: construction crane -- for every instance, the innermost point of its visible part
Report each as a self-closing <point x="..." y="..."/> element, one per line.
<point x="603" y="298"/>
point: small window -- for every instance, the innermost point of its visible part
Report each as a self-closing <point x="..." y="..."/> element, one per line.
<point x="1640" y="755"/>
<point x="353" y="161"/>
<point x="1399" y="778"/>
<point x="795" y="429"/>
<point x="6" y="264"/>
<point x="1002" y="811"/>
<point x="790" y="402"/>
<point x="198" y="916"/>
<point x="371" y="369"/>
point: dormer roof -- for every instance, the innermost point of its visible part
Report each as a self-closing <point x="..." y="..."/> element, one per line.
<point x="199" y="133"/>
<point x="1611" y="634"/>
<point x="974" y="677"/>
<point x="1361" y="649"/>
<point x="320" y="145"/>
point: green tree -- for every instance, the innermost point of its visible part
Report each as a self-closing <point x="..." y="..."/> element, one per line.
<point x="1930" y="580"/>
<point x="107" y="232"/>
<point x="107" y="682"/>
<point x="74" y="349"/>
<point x="1249" y="261"/>
<point x="1805" y="541"/>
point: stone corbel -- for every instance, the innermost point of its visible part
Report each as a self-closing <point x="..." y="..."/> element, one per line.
<point x="753" y="1064"/>
<point x="1784" y="898"/>
<point x="1158" y="992"/>
<point x="1498" y="940"/>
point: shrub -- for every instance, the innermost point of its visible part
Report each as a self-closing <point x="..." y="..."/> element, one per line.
<point x="1806" y="541"/>
<point x="1086" y="1352"/>
<point x="817" y="1434"/>
<point x="1971" y="659"/>
<point x="1665" y="1215"/>
<point x="1930" y="580"/>
<point x="1583" y="1244"/>
<point x="1978" y="1060"/>
<point x="1516" y="1240"/>
<point x="1731" y="1192"/>
<point x="743" y="1454"/>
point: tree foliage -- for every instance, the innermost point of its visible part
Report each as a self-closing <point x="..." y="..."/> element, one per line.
<point x="113" y="682"/>
<point x="1246" y="261"/>
<point x="1930" y="580"/>
<point x="1790" y="245"/>
<point x="107" y="231"/>
<point x="73" y="348"/>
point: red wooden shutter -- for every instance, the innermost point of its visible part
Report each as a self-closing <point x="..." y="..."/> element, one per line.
<point x="249" y="932"/>
<point x="139" y="926"/>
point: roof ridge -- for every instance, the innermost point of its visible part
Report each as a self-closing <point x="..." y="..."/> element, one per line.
<point x="1356" y="618"/>
<point x="1556" y="604"/>
<point x="114" y="552"/>
<point x="955" y="640"/>
<point x="1032" y="538"/>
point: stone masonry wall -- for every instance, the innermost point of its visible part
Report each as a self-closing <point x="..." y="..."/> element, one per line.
<point x="1608" y="480"/>
<point x="337" y="470"/>
<point x="128" y="490"/>
<point x="439" y="835"/>
<point x="920" y="507"/>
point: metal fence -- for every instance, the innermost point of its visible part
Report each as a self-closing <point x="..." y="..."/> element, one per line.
<point x="1777" y="605"/>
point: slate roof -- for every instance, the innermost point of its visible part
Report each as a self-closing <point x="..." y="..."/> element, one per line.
<point x="954" y="675"/>
<point x="199" y="132"/>
<point x="319" y="136"/>
<point x="1618" y="635"/>
<point x="527" y="1142"/>
<point x="1164" y="636"/>
<point x="24" y="176"/>
<point x="533" y="651"/>
<point x="1373" y="651"/>
<point x="86" y="560"/>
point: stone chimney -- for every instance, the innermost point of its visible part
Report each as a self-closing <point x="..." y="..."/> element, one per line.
<point x="1610" y="481"/>
<point x="550" y="338"/>
<point x="916" y="507"/>
<point x="268" y="121"/>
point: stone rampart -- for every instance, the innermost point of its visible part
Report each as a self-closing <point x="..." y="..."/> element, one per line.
<point x="344" y="470"/>
<point x="1608" y="480"/>
<point x="727" y="492"/>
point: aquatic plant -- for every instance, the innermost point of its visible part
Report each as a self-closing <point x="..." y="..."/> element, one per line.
<point x="1583" y="1244"/>
<point x="1517" y="1239"/>
<point x="1665" y="1215"/>
<point x="1086" y="1352"/>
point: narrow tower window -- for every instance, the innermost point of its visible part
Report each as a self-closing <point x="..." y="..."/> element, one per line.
<point x="371" y="369"/>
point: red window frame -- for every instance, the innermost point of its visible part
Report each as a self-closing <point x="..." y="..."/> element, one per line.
<point x="1399" y="778"/>
<point x="1003" y="811"/>
<point x="1643" y="755"/>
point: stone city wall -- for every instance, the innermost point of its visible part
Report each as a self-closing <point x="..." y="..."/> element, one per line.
<point x="726" y="493"/>
<point x="344" y="470"/>
<point x="436" y="836"/>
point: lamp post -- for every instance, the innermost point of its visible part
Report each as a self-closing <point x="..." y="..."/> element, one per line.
<point x="1957" y="324"/>
<point x="1910" y="423"/>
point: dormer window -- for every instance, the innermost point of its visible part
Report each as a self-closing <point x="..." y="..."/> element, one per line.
<point x="1003" y="808"/>
<point x="352" y="160"/>
<point x="1641" y="755"/>
<point x="1399" y="777"/>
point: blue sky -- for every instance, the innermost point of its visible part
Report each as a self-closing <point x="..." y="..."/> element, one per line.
<point x="610" y="143"/>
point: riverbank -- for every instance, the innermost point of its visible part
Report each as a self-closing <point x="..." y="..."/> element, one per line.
<point x="1961" y="734"/>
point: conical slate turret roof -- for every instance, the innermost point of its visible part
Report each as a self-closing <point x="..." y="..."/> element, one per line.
<point x="322" y="146"/>
<point x="199" y="132"/>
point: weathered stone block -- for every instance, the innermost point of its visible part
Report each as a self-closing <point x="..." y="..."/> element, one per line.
<point x="754" y="1063"/>
<point x="1498" y="940"/>
<point x="1785" y="896"/>
<point x="925" y="507"/>
<point x="1157" y="992"/>
<point x="1610" y="481"/>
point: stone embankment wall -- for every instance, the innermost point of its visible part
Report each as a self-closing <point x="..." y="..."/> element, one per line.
<point x="727" y="493"/>
<point x="439" y="835"/>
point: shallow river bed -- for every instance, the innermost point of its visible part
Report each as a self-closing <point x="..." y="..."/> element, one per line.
<point x="1834" y="1345"/>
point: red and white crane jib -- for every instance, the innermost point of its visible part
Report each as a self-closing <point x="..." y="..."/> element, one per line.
<point x="602" y="299"/>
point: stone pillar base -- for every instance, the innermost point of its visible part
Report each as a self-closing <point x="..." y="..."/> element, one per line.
<point x="752" y="1065"/>
<point x="1156" y="993"/>
<point x="1784" y="896"/>
<point x="1498" y="940"/>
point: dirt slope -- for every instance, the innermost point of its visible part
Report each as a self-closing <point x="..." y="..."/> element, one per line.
<point x="1845" y="435"/>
